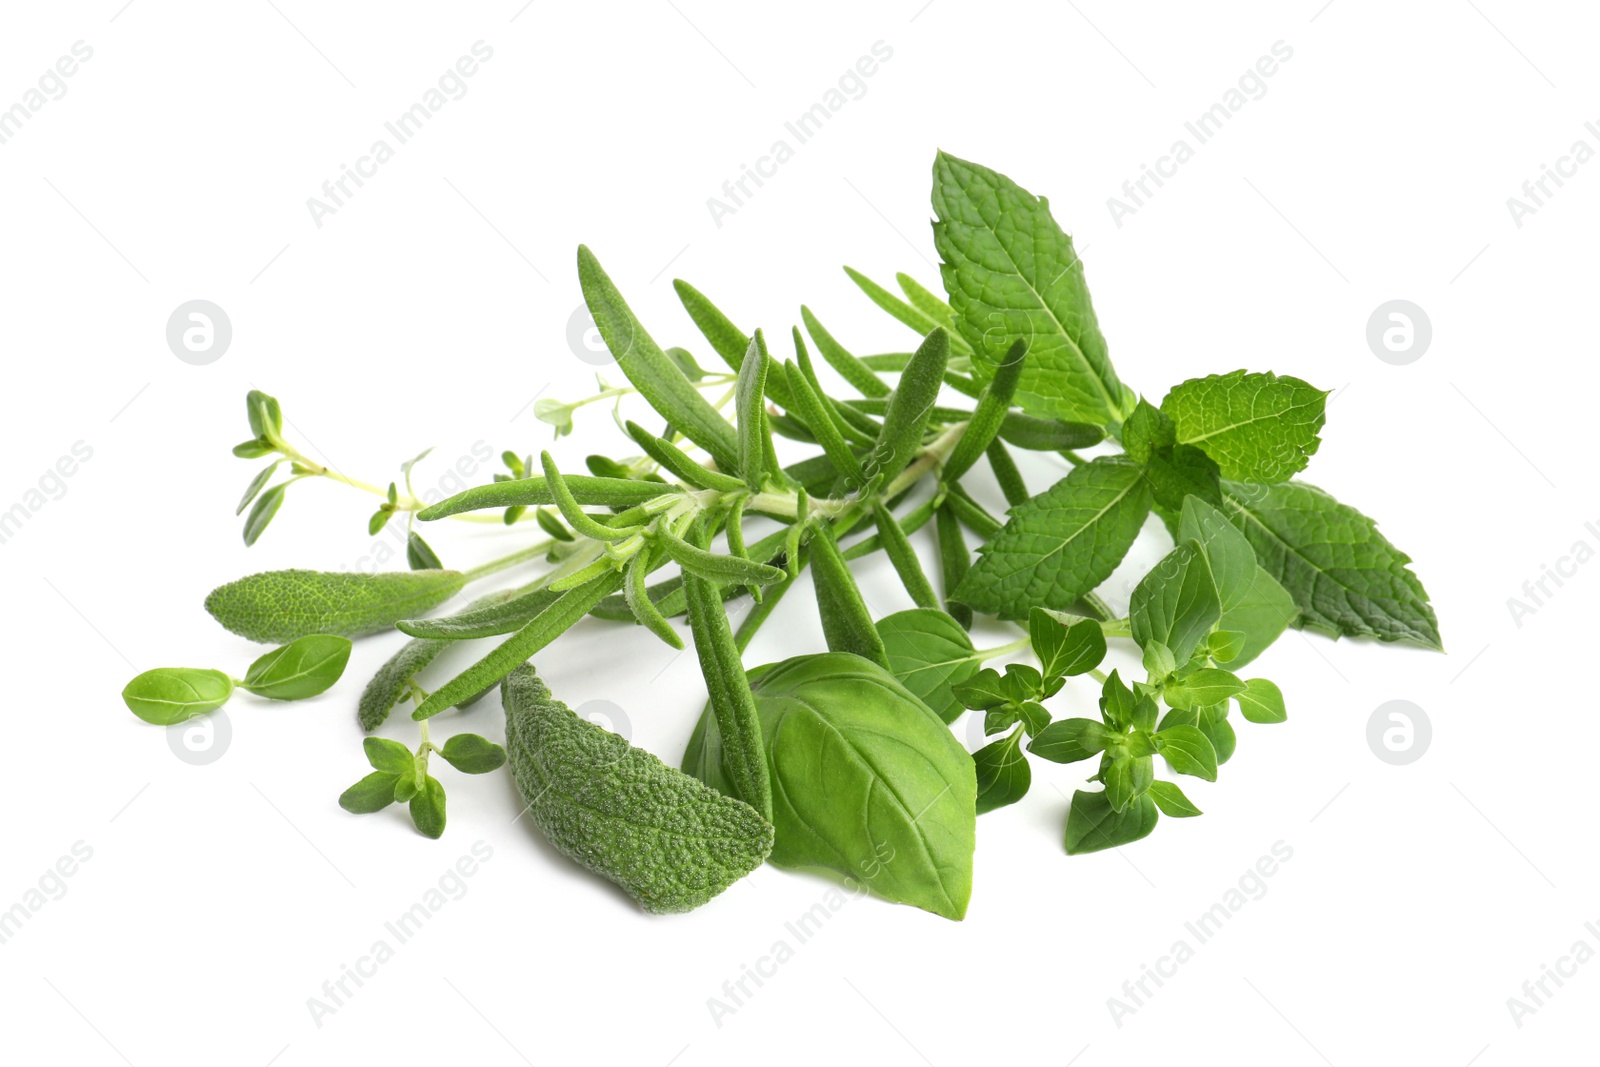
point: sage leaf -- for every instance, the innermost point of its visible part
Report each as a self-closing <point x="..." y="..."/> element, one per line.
<point x="427" y="808"/>
<point x="168" y="695"/>
<point x="1170" y="799"/>
<point x="1175" y="605"/>
<point x="928" y="652"/>
<point x="472" y="754"/>
<point x="1261" y="701"/>
<point x="670" y="841"/>
<point x="1257" y="427"/>
<point x="1345" y="576"/>
<point x="392" y="680"/>
<point x="1002" y="772"/>
<point x="1012" y="274"/>
<point x="303" y="668"/>
<point x="1062" y="543"/>
<point x="1188" y="751"/>
<point x="373" y="793"/>
<point x="279" y="606"/>
<point x="658" y="380"/>
<point x="1093" y="824"/>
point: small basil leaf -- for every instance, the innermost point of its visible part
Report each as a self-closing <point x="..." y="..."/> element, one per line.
<point x="427" y="808"/>
<point x="1170" y="799"/>
<point x="1065" y="650"/>
<point x="172" y="694"/>
<point x="1188" y="751"/>
<point x="1213" y="722"/>
<point x="1022" y="682"/>
<point x="373" y="793"/>
<point x="471" y="754"/>
<point x="1034" y="717"/>
<point x="1093" y="824"/>
<point x="300" y="669"/>
<point x="1261" y="701"/>
<point x="1225" y="645"/>
<point x="1071" y="740"/>
<point x="1202" y="688"/>
<point x="391" y="757"/>
<point x="1126" y="779"/>
<point x="1116" y="703"/>
<point x="1003" y="773"/>
<point x="983" y="691"/>
<point x="1144" y="713"/>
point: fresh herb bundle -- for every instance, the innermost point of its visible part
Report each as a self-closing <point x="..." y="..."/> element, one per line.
<point x="844" y="758"/>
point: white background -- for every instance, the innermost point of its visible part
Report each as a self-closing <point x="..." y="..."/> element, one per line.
<point x="433" y="306"/>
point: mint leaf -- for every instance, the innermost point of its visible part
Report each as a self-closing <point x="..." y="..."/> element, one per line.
<point x="1345" y="577"/>
<point x="1258" y="427"/>
<point x="1062" y="543"/>
<point x="1011" y="274"/>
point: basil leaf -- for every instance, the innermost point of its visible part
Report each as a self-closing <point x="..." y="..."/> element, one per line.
<point x="1126" y="778"/>
<point x="1176" y="604"/>
<point x="1345" y="576"/>
<point x="1071" y="740"/>
<point x="1188" y="751"/>
<point x="373" y="793"/>
<point x="673" y="843"/>
<point x="868" y="781"/>
<point x="1117" y="703"/>
<point x="1204" y="687"/>
<point x="982" y="691"/>
<point x="471" y="754"/>
<point x="1093" y="824"/>
<point x="1062" y="543"/>
<point x="1258" y="427"/>
<point x="302" y="668"/>
<point x="1065" y="651"/>
<point x="1170" y="799"/>
<point x="172" y="694"/>
<point x="1224" y="646"/>
<point x="1012" y="274"/>
<point x="1034" y="717"/>
<point x="1002" y="772"/>
<point x="1213" y="722"/>
<point x="427" y="808"/>
<point x="278" y="606"/>
<point x="929" y="652"/>
<point x="1261" y="701"/>
<point x="658" y="380"/>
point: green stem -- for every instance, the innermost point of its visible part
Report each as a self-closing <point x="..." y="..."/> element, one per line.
<point x="494" y="566"/>
<point x="1003" y="650"/>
